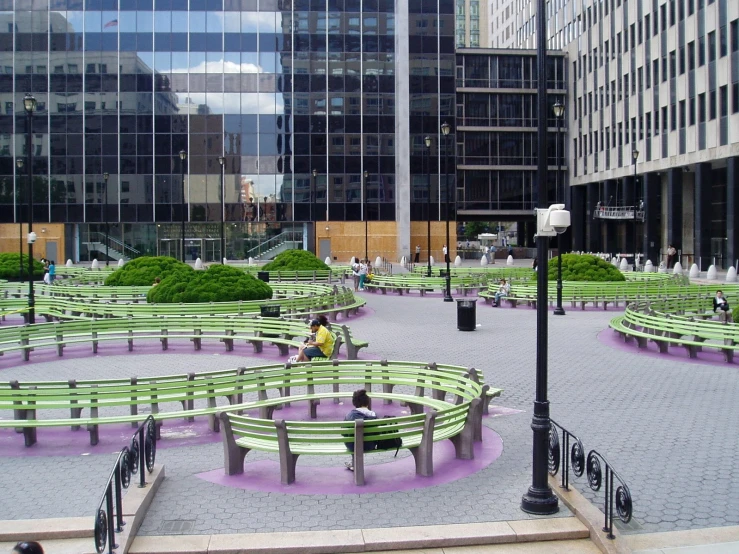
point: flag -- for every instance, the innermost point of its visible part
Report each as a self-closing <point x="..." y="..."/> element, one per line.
<point x="111" y="23"/>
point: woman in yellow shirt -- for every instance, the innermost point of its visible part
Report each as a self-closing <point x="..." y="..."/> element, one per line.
<point x="320" y="345"/>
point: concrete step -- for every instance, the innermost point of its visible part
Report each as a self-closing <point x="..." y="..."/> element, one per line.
<point x="438" y="538"/>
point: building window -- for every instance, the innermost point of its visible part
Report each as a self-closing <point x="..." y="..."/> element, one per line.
<point x="711" y="46"/>
<point x="723" y="41"/>
<point x="735" y="35"/>
<point x="702" y="108"/>
<point x="691" y="55"/>
<point x="673" y="117"/>
<point x="701" y="51"/>
<point x="735" y="98"/>
<point x="682" y="60"/>
<point x="664" y="120"/>
<point x="672" y="12"/>
<point x="724" y="99"/>
<point x="691" y="111"/>
<point x="712" y="104"/>
<point x="682" y="114"/>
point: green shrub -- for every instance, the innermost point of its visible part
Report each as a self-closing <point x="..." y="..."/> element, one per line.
<point x="220" y="283"/>
<point x="584" y="267"/>
<point x="10" y="267"/>
<point x="141" y="272"/>
<point x="295" y="260"/>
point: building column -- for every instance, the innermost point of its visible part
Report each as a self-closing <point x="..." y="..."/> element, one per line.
<point x="651" y="192"/>
<point x="402" y="132"/>
<point x="611" y="227"/>
<point x="628" y="226"/>
<point x="579" y="212"/>
<point x="592" y="225"/>
<point x="675" y="207"/>
<point x="732" y="210"/>
<point x="702" y="226"/>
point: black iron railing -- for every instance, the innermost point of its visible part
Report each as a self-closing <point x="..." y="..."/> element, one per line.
<point x="572" y="454"/>
<point x="109" y="515"/>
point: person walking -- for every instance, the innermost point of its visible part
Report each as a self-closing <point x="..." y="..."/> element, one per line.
<point x="362" y="274"/>
<point x="52" y="272"/>
<point x="417" y="257"/>
<point x="446" y="254"/>
<point x="671" y="251"/>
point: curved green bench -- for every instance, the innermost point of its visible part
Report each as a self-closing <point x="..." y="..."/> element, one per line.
<point x="454" y="403"/>
<point x="401" y="283"/>
<point x="688" y="323"/>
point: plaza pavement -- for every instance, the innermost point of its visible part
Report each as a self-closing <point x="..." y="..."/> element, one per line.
<point x="667" y="426"/>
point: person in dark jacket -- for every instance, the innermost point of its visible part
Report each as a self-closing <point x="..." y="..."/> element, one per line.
<point x="361" y="410"/>
<point x="720" y="302"/>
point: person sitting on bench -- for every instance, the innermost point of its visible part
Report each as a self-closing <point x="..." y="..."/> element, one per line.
<point x="503" y="290"/>
<point x="319" y="345"/>
<point x="361" y="410"/>
<point x="720" y="302"/>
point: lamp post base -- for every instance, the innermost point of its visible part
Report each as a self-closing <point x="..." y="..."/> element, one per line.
<point x="540" y="502"/>
<point x="559" y="310"/>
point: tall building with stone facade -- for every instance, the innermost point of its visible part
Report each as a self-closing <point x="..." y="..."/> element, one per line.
<point x="654" y="92"/>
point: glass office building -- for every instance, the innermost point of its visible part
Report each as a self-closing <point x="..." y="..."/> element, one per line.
<point x="317" y="109"/>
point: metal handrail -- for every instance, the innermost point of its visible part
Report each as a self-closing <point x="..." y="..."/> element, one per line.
<point x="578" y="462"/>
<point x="100" y="237"/>
<point x="618" y="212"/>
<point x="141" y="453"/>
<point x="292" y="236"/>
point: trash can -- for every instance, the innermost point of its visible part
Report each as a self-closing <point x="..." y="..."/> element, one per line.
<point x="466" y="314"/>
<point x="263" y="276"/>
<point x="442" y="273"/>
<point x="269" y="311"/>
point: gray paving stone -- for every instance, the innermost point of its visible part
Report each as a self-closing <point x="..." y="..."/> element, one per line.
<point x="668" y="426"/>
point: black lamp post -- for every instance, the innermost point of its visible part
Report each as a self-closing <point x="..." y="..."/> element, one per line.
<point x="183" y="158"/>
<point x="427" y="141"/>
<point x="364" y="212"/>
<point x="106" y="176"/>
<point x="221" y="160"/>
<point x="559" y="111"/>
<point x="313" y="191"/>
<point x="445" y="127"/>
<point x="29" y="103"/>
<point x="635" y="157"/>
<point x="19" y="165"/>
<point x="539" y="498"/>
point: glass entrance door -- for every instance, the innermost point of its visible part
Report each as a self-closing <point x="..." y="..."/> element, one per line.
<point x="170" y="247"/>
<point x="212" y="250"/>
<point x="193" y="249"/>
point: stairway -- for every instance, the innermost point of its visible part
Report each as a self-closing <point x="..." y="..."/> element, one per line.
<point x="113" y="254"/>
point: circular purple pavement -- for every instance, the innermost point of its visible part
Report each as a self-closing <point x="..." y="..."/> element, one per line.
<point x="396" y="475"/>
<point x="708" y="356"/>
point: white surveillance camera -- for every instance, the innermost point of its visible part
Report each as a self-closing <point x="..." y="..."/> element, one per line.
<point x="31" y="237"/>
<point x="559" y="220"/>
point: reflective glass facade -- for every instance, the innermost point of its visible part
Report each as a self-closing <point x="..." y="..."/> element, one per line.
<point x="282" y="90"/>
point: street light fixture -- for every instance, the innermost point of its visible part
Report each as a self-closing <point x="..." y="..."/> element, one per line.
<point x="19" y="165"/>
<point x="183" y="158"/>
<point x="539" y="498"/>
<point x="427" y="141"/>
<point x="559" y="111"/>
<point x="364" y="212"/>
<point x="635" y="157"/>
<point x="106" y="176"/>
<point x="29" y="104"/>
<point x="221" y="160"/>
<point x="313" y="192"/>
<point x="445" y="127"/>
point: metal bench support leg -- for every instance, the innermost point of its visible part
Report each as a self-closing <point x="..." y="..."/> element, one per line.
<point x="423" y="454"/>
<point x="288" y="460"/>
<point x="233" y="454"/>
<point x="358" y="454"/>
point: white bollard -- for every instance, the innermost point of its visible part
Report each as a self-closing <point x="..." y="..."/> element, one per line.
<point x="378" y="261"/>
<point x="693" y="273"/>
<point x="678" y="269"/>
<point x="662" y="268"/>
<point x="483" y="260"/>
<point x="731" y="275"/>
<point x="121" y="263"/>
<point x="225" y="261"/>
<point x="712" y="274"/>
<point x="327" y="261"/>
<point x="353" y="260"/>
<point x="432" y="262"/>
<point x="198" y="263"/>
<point x="509" y="260"/>
<point x="95" y="264"/>
<point x="403" y="260"/>
<point x="457" y="261"/>
<point x="251" y="260"/>
<point x="614" y="261"/>
<point x="624" y="265"/>
<point x="69" y="263"/>
<point x="649" y="267"/>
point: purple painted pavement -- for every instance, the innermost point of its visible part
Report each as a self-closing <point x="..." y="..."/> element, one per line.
<point x="709" y="356"/>
<point x="396" y="475"/>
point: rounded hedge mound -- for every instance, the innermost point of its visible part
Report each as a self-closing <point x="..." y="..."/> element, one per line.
<point x="142" y="272"/>
<point x="10" y="267"/>
<point x="584" y="267"/>
<point x="220" y="283"/>
<point x="295" y="260"/>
